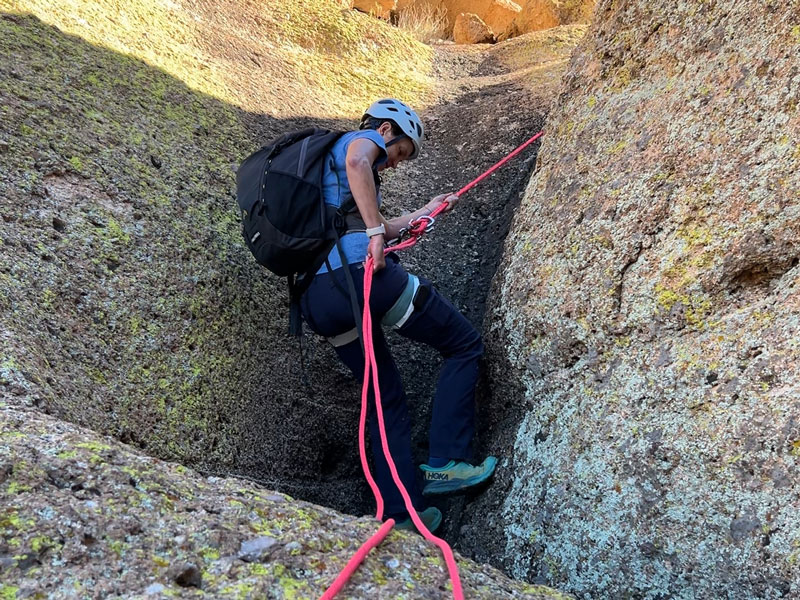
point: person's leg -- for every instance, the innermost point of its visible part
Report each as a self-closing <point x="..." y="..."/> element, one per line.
<point x="327" y="310"/>
<point x="397" y="425"/>
<point x="439" y="324"/>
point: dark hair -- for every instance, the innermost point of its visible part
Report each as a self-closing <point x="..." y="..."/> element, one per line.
<point x="368" y="122"/>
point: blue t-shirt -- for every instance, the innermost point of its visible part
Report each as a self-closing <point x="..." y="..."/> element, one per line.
<point x="336" y="190"/>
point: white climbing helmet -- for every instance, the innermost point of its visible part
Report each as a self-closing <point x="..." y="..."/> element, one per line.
<point x="400" y="113"/>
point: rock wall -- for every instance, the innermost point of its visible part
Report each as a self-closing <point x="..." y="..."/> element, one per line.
<point x="645" y="326"/>
<point x="128" y="302"/>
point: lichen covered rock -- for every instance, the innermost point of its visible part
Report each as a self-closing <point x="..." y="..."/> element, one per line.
<point x="648" y="309"/>
<point x="82" y="516"/>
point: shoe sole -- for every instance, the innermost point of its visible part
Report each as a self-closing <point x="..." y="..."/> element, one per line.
<point x="439" y="488"/>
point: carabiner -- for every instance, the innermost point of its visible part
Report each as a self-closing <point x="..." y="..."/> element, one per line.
<point x="412" y="225"/>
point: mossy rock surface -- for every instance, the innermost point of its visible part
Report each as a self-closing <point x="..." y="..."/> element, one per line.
<point x="129" y="302"/>
<point x="644" y="326"/>
<point x="83" y="516"/>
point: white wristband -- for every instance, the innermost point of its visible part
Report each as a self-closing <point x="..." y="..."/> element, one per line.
<point x="379" y="230"/>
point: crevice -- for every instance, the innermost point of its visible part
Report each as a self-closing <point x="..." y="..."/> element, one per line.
<point x="618" y="291"/>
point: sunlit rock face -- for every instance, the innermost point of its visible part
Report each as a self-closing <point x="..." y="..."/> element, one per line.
<point x="470" y="29"/>
<point x="506" y="18"/>
<point x="647" y="315"/>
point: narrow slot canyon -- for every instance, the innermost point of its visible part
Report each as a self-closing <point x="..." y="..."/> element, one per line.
<point x="633" y="276"/>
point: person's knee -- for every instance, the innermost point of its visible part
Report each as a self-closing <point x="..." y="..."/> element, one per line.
<point x="474" y="347"/>
<point x="469" y="344"/>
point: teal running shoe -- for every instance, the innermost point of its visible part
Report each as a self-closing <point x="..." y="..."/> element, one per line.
<point x="431" y="517"/>
<point x="456" y="477"/>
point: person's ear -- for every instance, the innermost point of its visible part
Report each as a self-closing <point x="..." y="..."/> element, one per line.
<point x="384" y="127"/>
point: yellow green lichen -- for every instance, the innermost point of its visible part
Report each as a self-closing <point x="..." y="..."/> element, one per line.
<point x="96" y="375"/>
<point x="694" y="234"/>
<point x="258" y="569"/>
<point x="8" y="592"/>
<point x="15" y="487"/>
<point x="795" y="448"/>
<point x="293" y="589"/>
<point x="209" y="554"/>
<point x="93" y="446"/>
<point x="618" y="147"/>
<point x="43" y="542"/>
<point x="117" y="547"/>
<point x="160" y="560"/>
<point x="116" y="233"/>
<point x="48" y="299"/>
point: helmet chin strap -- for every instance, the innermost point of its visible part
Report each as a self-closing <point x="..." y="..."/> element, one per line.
<point x="396" y="139"/>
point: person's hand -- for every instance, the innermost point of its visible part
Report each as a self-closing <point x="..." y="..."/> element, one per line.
<point x="375" y="250"/>
<point x="450" y="199"/>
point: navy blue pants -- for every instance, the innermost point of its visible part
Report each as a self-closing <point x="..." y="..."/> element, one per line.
<point x="327" y="310"/>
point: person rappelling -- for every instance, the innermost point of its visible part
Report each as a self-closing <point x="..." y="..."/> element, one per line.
<point x="310" y="203"/>
<point x="390" y="132"/>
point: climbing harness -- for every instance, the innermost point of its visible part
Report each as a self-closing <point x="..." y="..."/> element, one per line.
<point x="411" y="235"/>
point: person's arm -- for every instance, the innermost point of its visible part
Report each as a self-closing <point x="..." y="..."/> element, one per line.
<point x="394" y="226"/>
<point x="361" y="154"/>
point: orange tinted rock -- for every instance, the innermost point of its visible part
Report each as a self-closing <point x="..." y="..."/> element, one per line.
<point x="497" y="14"/>
<point x="509" y="18"/>
<point x="534" y="16"/>
<point x="544" y="14"/>
<point x="469" y="28"/>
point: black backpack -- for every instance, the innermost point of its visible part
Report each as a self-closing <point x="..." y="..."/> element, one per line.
<point x="285" y="221"/>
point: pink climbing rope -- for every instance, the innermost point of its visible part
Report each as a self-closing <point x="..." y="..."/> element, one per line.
<point x="357" y="559"/>
<point x="499" y="164"/>
<point x="415" y="231"/>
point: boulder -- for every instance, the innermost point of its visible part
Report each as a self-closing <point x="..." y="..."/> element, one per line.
<point x="470" y="29"/>
<point x="85" y="509"/>
<point x="507" y="18"/>
<point x="379" y="8"/>
<point x="544" y="14"/>
<point x="534" y="15"/>
<point x="497" y="14"/>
